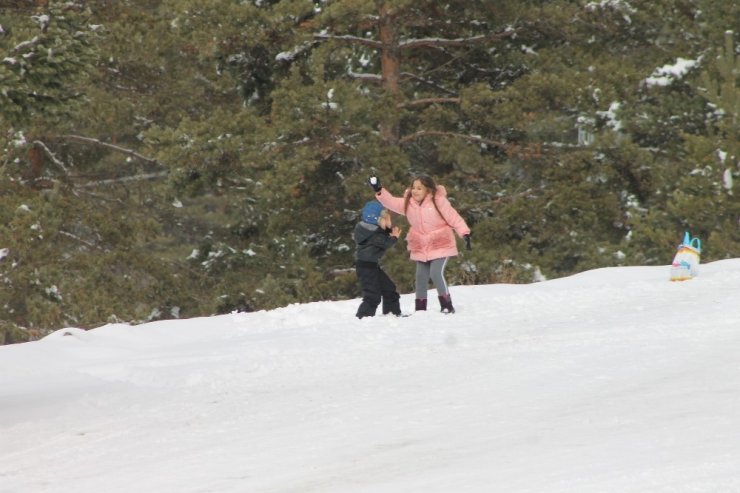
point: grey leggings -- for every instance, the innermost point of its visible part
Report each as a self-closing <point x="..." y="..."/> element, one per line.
<point x="434" y="270"/>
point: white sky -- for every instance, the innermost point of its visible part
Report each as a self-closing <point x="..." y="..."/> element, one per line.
<point x="614" y="380"/>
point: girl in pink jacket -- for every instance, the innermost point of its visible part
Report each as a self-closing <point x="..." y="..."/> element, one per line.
<point x="430" y="239"/>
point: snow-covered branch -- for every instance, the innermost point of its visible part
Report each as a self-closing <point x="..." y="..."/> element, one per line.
<point x="409" y="75"/>
<point x="26" y="44"/>
<point x="130" y="152"/>
<point x="349" y="39"/>
<point x="376" y="78"/>
<point x="439" y="133"/>
<point x="416" y="43"/>
<point x="53" y="157"/>
<point x="289" y="56"/>
<point x="77" y="238"/>
<point x="444" y="42"/>
<point x="421" y="102"/>
<point x="124" y="179"/>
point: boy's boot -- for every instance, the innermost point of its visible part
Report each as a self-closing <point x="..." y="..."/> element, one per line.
<point x="421" y="304"/>
<point x="393" y="306"/>
<point x="445" y="302"/>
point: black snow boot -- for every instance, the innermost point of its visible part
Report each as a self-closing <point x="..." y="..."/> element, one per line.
<point x="421" y="304"/>
<point x="392" y="306"/>
<point x="445" y="302"/>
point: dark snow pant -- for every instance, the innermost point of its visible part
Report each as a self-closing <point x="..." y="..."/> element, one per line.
<point x="376" y="286"/>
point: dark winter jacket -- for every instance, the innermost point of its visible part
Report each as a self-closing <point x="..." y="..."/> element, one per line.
<point x="372" y="242"/>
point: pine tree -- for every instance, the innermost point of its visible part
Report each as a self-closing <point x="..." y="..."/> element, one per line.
<point x="45" y="57"/>
<point x="221" y="154"/>
<point x="81" y="207"/>
<point x="488" y="97"/>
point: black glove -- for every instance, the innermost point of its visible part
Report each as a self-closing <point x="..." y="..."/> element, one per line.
<point x="468" y="246"/>
<point x="374" y="182"/>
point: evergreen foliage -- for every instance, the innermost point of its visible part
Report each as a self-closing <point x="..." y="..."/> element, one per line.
<point x="220" y="154"/>
<point x="45" y="58"/>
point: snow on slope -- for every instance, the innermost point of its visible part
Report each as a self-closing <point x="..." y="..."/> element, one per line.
<point x="612" y="380"/>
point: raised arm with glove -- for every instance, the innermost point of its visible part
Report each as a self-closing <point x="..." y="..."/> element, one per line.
<point x="374" y="183"/>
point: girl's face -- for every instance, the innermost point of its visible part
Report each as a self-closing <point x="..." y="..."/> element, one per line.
<point x="418" y="191"/>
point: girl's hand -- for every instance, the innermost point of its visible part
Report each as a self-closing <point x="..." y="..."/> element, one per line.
<point x="396" y="231"/>
<point x="374" y="183"/>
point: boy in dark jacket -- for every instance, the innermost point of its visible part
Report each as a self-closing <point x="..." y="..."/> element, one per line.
<point x="375" y="234"/>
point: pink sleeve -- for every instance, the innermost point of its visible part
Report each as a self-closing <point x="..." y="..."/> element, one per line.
<point x="453" y="218"/>
<point x="390" y="202"/>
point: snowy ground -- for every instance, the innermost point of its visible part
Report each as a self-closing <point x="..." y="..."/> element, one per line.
<point x="614" y="380"/>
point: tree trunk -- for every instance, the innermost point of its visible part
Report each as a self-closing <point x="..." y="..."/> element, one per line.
<point x="35" y="164"/>
<point x="390" y="70"/>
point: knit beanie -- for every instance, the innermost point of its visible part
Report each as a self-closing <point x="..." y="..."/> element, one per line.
<point x="371" y="212"/>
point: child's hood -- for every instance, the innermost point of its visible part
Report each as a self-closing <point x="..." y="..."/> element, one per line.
<point x="364" y="230"/>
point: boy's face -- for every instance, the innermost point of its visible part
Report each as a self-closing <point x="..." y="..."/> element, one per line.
<point x="384" y="221"/>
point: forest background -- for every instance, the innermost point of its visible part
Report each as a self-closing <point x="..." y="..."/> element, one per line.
<point x="180" y="158"/>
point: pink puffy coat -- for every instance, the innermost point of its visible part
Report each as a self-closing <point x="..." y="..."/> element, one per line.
<point x="431" y="233"/>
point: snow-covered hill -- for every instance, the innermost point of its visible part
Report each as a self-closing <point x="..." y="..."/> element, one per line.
<point x="614" y="380"/>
